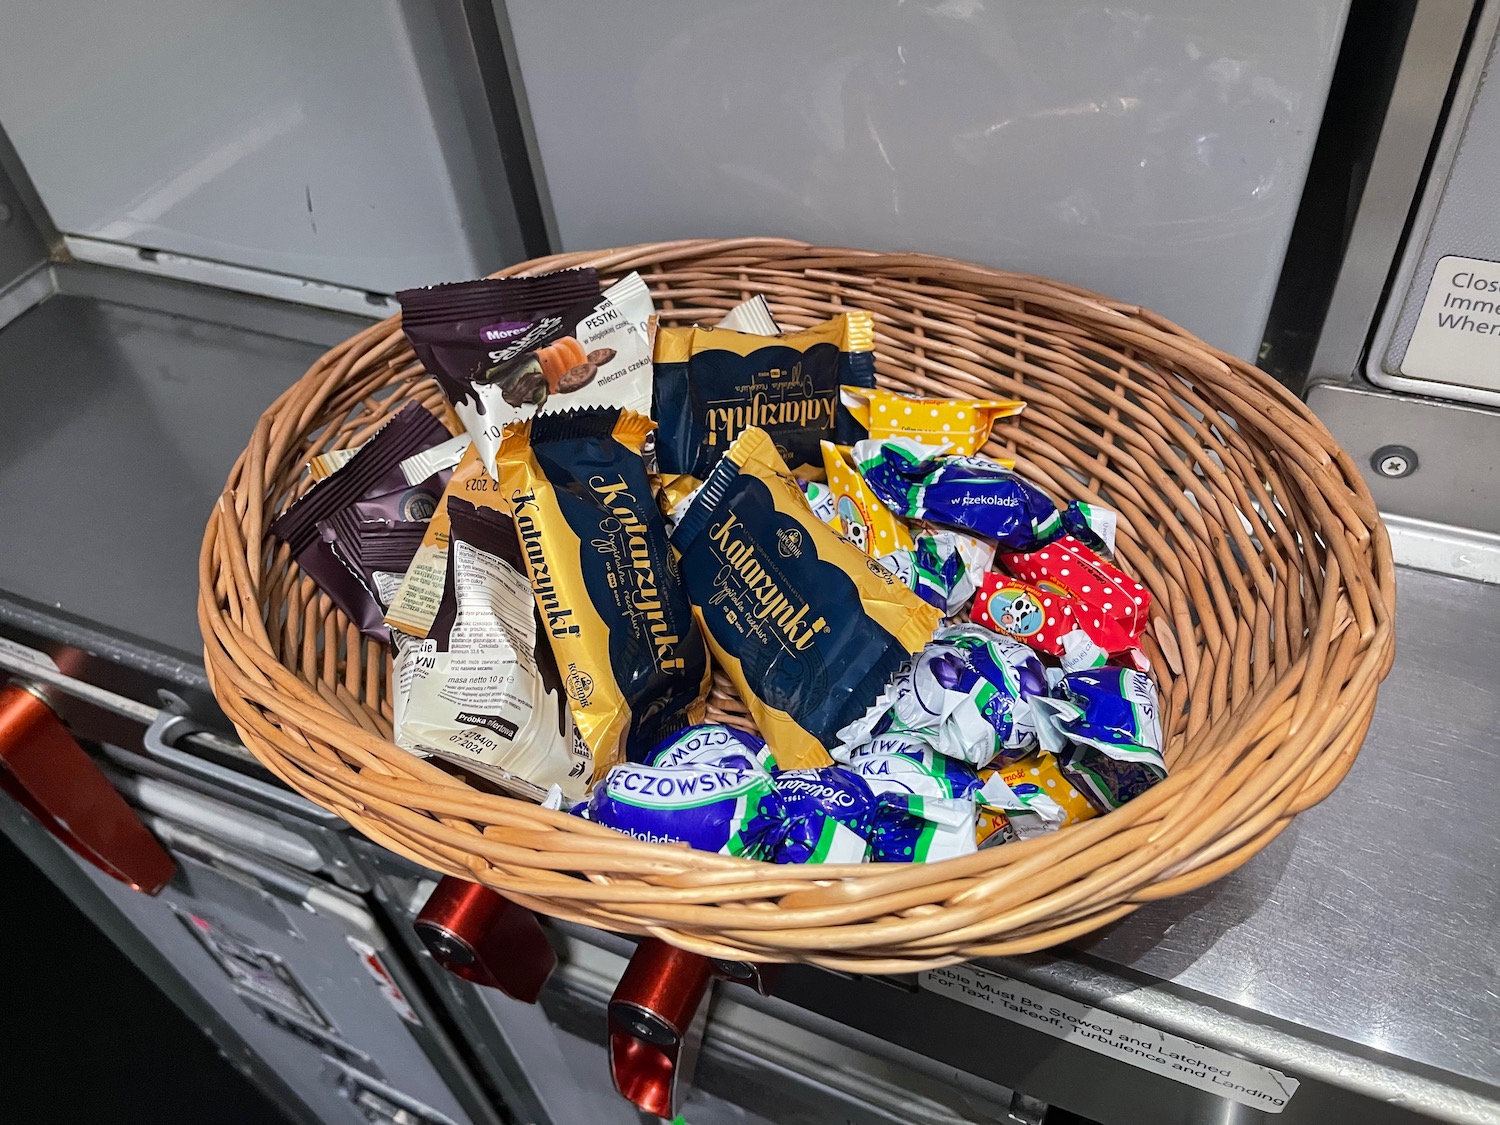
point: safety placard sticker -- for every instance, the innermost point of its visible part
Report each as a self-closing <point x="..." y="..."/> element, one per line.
<point x="1457" y="337"/>
<point x="369" y="956"/>
<point x="1135" y="1043"/>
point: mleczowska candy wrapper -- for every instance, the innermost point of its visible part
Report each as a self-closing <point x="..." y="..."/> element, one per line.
<point x="712" y="808"/>
<point x="808" y="627"/>
<point x="632" y="658"/>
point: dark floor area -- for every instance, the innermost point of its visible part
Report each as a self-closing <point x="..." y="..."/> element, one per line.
<point x="75" y="1005"/>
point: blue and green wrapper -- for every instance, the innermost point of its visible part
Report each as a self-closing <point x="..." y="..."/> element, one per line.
<point x="973" y="493"/>
<point x="730" y="811"/>
<point x="1104" y="725"/>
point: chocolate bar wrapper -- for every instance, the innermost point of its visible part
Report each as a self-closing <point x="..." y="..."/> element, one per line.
<point x="713" y="809"/>
<point x="377" y="550"/>
<point x="370" y="486"/>
<point x="809" y="629"/>
<point x="326" y="464"/>
<point x="633" y="661"/>
<point x="963" y="425"/>
<point x="1104" y="726"/>
<point x="972" y="493"/>
<point x="712" y="385"/>
<point x="713" y="744"/>
<point x="477" y="691"/>
<point x="752" y="316"/>
<point x="508" y="349"/>
<point x="412" y="606"/>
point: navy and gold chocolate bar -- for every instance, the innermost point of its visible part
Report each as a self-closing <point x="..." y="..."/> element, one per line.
<point x="633" y="662"/>
<point x="712" y="385"/>
<point x="807" y="626"/>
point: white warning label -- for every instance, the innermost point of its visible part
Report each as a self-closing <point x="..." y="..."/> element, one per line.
<point x="1457" y="338"/>
<point x="1138" y="1044"/>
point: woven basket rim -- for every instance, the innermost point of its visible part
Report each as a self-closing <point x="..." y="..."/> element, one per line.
<point x="1278" y="688"/>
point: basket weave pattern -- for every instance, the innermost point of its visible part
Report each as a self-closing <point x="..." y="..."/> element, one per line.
<point x="1271" y="626"/>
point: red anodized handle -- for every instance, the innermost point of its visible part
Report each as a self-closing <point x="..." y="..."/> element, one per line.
<point x="486" y="939"/>
<point x="651" y="1017"/>
<point x="49" y="775"/>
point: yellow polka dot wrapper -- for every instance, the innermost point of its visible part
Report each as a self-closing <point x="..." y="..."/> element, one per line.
<point x="1039" y="784"/>
<point x="963" y="424"/>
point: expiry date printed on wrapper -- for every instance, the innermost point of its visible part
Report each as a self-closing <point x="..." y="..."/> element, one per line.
<point x="1139" y="1044"/>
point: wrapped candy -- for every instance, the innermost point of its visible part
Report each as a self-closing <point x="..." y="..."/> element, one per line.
<point x="1104" y="725"/>
<point x="967" y="695"/>
<point x="963" y="424"/>
<point x="942" y="566"/>
<point x="730" y="811"/>
<point x="974" y="493"/>
<point x="825" y="817"/>
<point x="1042" y="616"/>
<point x="713" y="744"/>
<point x="1044" y="800"/>
<point x="1069" y="567"/>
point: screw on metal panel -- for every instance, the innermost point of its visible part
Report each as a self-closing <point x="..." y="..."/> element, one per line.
<point x="1394" y="461"/>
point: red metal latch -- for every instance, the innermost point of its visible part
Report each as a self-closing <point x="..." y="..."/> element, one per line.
<point x="656" y="1018"/>
<point x="49" y="774"/>
<point x="483" y="937"/>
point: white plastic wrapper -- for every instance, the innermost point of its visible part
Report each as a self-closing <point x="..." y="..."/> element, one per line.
<point x="1034" y="815"/>
<point x="968" y="695"/>
<point x="419" y="466"/>
<point x="752" y="316"/>
<point x="472" y="692"/>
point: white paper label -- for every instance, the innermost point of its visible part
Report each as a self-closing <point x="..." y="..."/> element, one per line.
<point x="1457" y="338"/>
<point x="1142" y="1046"/>
<point x="27" y="655"/>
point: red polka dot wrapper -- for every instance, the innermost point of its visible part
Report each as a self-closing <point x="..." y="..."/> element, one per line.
<point x="1041" y="616"/>
<point x="1108" y="595"/>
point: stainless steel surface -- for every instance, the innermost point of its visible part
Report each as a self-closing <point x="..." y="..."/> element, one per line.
<point x="1459" y="551"/>
<point x="1456" y="216"/>
<point x="167" y="729"/>
<point x="218" y="821"/>
<point x="1433" y="51"/>
<point x="1155" y="152"/>
<point x="333" y="140"/>
<point x="22" y="248"/>
<point x="120" y="426"/>
<point x="1375" y="918"/>
<point x="1457" y="480"/>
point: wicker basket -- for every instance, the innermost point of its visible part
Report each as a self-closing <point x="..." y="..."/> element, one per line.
<point x="1271" y="626"/>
